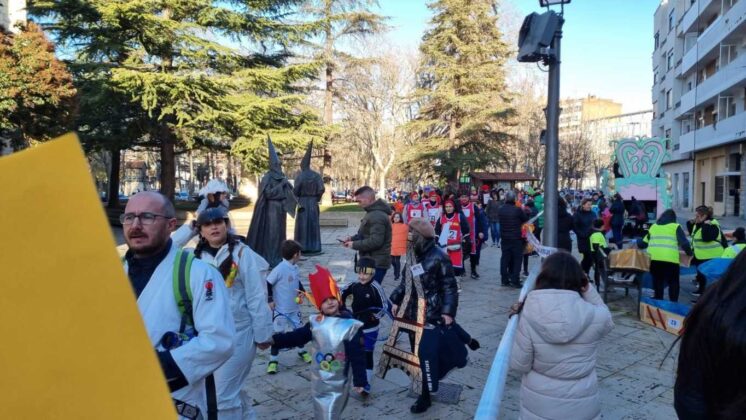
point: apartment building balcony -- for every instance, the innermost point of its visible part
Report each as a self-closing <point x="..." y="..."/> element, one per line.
<point x="734" y="73"/>
<point x="723" y="132"/>
<point x="733" y="21"/>
<point x="697" y="8"/>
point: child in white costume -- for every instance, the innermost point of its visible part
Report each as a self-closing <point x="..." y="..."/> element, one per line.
<point x="285" y="291"/>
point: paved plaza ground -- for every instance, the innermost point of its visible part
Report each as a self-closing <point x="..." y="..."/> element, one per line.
<point x="633" y="384"/>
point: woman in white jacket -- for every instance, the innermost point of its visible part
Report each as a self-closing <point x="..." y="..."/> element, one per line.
<point x="248" y="299"/>
<point x="561" y="324"/>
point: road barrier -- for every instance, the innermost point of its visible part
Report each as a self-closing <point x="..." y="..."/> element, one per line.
<point x="492" y="394"/>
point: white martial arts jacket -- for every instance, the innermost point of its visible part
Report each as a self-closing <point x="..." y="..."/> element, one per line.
<point x="202" y="355"/>
<point x="248" y="293"/>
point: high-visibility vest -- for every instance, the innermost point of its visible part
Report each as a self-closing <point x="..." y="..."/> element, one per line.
<point x="733" y="251"/>
<point x="599" y="239"/>
<point x="662" y="242"/>
<point x="707" y="250"/>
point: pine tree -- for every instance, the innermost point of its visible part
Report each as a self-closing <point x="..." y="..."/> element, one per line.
<point x="464" y="103"/>
<point x="196" y="73"/>
<point x="37" y="96"/>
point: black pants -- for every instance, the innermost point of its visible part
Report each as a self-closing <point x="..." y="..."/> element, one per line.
<point x="396" y="262"/>
<point x="510" y="261"/>
<point x="665" y="274"/>
<point x="701" y="280"/>
<point x="587" y="261"/>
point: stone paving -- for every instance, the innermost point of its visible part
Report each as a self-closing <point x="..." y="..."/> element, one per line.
<point x="633" y="384"/>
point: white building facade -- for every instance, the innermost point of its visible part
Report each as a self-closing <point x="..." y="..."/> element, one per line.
<point x="11" y="13"/>
<point x="699" y="100"/>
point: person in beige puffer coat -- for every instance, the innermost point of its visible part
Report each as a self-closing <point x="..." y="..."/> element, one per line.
<point x="561" y="324"/>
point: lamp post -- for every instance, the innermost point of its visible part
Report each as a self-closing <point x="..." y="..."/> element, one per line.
<point x="551" y="197"/>
<point x="539" y="40"/>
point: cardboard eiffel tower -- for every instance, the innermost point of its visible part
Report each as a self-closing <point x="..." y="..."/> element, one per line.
<point x="400" y="358"/>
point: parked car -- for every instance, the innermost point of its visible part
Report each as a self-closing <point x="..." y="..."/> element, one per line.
<point x="182" y="196"/>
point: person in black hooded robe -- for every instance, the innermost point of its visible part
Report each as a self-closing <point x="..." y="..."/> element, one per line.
<point x="309" y="188"/>
<point x="269" y="222"/>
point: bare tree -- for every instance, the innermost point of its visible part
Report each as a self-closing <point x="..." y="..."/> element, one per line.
<point x="375" y="106"/>
<point x="575" y="158"/>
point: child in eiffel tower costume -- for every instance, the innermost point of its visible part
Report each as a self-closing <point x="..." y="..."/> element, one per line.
<point x="441" y="345"/>
<point x="336" y="350"/>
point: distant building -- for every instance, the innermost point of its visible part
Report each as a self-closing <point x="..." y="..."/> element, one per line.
<point x="574" y="113"/>
<point x="601" y="132"/>
<point x="11" y="13"/>
<point x="699" y="100"/>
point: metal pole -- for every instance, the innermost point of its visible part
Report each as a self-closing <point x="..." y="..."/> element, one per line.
<point x="551" y="190"/>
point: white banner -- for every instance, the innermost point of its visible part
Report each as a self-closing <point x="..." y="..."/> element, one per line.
<point x="543" y="251"/>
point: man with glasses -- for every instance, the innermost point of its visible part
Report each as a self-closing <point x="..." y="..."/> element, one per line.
<point x="190" y="344"/>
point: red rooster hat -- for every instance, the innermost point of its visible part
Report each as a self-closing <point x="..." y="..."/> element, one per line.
<point x="323" y="286"/>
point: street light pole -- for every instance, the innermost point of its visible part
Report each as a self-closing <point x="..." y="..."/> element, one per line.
<point x="551" y="195"/>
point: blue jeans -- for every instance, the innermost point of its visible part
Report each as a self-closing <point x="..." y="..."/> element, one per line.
<point x="495" y="231"/>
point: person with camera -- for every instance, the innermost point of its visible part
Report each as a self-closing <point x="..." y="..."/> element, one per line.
<point x="184" y="304"/>
<point x="373" y="238"/>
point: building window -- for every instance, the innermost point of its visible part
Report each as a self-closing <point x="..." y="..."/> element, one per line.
<point x="719" y="188"/>
<point x="668" y="134"/>
<point x="676" y="195"/>
<point x="728" y="53"/>
<point x="669" y="99"/>
<point x="657" y="40"/>
<point x="670" y="20"/>
<point x="669" y="60"/>
<point x="685" y="190"/>
<point x="727" y="107"/>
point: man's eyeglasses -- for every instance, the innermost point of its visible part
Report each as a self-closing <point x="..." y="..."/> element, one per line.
<point x="365" y="270"/>
<point x="145" y="218"/>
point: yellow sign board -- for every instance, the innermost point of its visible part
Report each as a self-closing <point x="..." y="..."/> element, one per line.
<point x="72" y="343"/>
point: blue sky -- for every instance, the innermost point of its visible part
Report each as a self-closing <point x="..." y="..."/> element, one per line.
<point x="606" y="47"/>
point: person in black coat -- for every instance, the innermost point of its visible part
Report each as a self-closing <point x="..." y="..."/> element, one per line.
<point x="564" y="226"/>
<point x="440" y="292"/>
<point x="710" y="383"/>
<point x="512" y="242"/>
<point x="617" y="219"/>
<point x="583" y="227"/>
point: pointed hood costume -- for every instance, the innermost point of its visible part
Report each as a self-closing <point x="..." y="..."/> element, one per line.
<point x="275" y="202"/>
<point x="309" y="188"/>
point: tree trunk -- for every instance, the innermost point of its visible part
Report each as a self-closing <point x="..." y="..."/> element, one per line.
<point x="326" y="199"/>
<point x="191" y="172"/>
<point x="116" y="160"/>
<point x="168" y="167"/>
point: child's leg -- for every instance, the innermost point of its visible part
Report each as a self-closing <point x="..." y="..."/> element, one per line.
<point x="278" y="325"/>
<point x="370" y="336"/>
<point x="302" y="353"/>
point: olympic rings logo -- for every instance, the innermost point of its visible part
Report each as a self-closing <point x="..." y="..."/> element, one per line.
<point x="330" y="362"/>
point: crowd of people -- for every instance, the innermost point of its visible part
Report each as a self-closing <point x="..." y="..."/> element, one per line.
<point x="208" y="310"/>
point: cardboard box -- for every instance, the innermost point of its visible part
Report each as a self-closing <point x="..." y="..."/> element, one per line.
<point x="665" y="315"/>
<point x="629" y="259"/>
